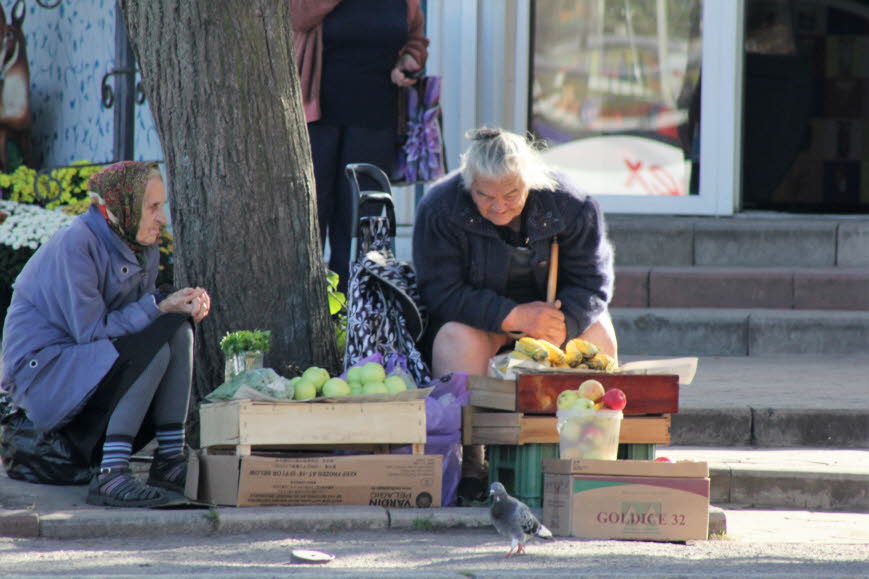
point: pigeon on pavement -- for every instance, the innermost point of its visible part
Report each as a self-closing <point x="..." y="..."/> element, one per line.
<point x="514" y="520"/>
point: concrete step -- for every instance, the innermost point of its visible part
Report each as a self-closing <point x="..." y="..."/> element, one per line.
<point x="811" y="479"/>
<point x="740" y="332"/>
<point x="741" y="240"/>
<point x="823" y="288"/>
<point x="771" y="427"/>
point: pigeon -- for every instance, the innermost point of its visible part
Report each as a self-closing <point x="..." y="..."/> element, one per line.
<point x="514" y="520"/>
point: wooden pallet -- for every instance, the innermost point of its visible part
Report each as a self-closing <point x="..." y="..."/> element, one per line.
<point x="517" y="428"/>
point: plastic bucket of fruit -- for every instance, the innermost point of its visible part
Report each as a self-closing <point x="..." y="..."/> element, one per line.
<point x="584" y="433"/>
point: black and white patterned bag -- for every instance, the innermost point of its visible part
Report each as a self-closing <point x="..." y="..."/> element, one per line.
<point x="384" y="313"/>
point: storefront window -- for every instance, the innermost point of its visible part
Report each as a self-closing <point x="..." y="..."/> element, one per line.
<point x="616" y="93"/>
<point x="806" y="101"/>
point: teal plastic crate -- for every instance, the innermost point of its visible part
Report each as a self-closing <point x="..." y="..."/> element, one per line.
<point x="520" y="468"/>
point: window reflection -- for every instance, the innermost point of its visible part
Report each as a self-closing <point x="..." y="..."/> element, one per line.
<point x="615" y="93"/>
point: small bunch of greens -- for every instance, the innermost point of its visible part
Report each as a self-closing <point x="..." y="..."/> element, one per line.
<point x="246" y="341"/>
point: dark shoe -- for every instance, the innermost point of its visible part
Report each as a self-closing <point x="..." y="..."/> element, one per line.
<point x="169" y="473"/>
<point x="471" y="492"/>
<point x="117" y="487"/>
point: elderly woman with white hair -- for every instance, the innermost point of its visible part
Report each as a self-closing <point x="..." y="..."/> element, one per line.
<point x="481" y="249"/>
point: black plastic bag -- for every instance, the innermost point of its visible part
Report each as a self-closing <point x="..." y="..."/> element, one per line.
<point x="31" y="455"/>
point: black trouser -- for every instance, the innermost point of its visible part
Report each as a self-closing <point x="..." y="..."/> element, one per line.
<point x="333" y="147"/>
<point x="135" y="352"/>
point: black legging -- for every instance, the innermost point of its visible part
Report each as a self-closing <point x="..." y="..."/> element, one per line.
<point x="148" y="385"/>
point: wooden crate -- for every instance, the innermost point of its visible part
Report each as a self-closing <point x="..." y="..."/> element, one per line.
<point x="516" y="428"/>
<point x="537" y="393"/>
<point x="243" y="424"/>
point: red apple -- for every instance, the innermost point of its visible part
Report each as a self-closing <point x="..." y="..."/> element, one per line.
<point x="615" y="399"/>
<point x="663" y="459"/>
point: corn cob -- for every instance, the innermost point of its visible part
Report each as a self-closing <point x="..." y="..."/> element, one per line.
<point x="556" y="356"/>
<point x="531" y="347"/>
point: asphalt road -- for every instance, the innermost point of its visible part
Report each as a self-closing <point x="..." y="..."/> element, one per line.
<point x="452" y="553"/>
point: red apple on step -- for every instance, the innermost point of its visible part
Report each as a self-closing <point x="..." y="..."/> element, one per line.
<point x="614" y="399"/>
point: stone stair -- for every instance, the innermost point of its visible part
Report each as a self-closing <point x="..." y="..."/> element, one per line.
<point x="752" y="284"/>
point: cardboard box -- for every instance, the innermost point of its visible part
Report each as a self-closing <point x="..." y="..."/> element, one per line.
<point x="245" y="422"/>
<point x="626" y="499"/>
<point x="385" y="480"/>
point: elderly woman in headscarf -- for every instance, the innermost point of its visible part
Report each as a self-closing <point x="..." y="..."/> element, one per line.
<point x="93" y="350"/>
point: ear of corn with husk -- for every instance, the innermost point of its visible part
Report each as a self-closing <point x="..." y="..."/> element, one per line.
<point x="578" y="353"/>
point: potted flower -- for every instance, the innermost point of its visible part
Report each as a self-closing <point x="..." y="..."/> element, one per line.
<point x="244" y="350"/>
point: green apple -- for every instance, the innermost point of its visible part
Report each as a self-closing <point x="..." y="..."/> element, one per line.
<point x="354" y="374"/>
<point x="374" y="388"/>
<point x="372" y="372"/>
<point x="566" y="399"/>
<point x="395" y="384"/>
<point x="304" y="389"/>
<point x="317" y="376"/>
<point x="336" y="387"/>
<point x="583" y="403"/>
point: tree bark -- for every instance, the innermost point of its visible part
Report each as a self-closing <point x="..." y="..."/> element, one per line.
<point x="222" y="85"/>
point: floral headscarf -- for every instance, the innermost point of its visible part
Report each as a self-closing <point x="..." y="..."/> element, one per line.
<point x="119" y="191"/>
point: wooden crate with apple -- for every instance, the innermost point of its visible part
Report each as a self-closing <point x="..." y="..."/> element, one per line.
<point x="244" y="426"/>
<point x="537" y="393"/>
<point x="521" y="411"/>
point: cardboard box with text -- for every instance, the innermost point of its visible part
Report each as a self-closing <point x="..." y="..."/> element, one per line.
<point x="385" y="480"/>
<point x="626" y="499"/>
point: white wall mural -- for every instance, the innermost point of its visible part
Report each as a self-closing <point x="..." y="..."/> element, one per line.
<point x="70" y="48"/>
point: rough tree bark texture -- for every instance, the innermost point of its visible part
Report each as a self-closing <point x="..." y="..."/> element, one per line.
<point x="220" y="79"/>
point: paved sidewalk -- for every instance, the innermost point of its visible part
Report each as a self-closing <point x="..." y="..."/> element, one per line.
<point x="721" y="385"/>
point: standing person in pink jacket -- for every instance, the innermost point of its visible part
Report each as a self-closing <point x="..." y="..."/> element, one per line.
<point x="351" y="57"/>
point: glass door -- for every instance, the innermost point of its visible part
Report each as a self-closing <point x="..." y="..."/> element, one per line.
<point x="616" y="95"/>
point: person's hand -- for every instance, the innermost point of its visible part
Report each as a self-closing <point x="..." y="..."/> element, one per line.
<point x="194" y="302"/>
<point x="406" y="63"/>
<point x="201" y="306"/>
<point x="538" y="320"/>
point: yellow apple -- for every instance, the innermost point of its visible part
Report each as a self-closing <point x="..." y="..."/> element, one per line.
<point x="591" y="389"/>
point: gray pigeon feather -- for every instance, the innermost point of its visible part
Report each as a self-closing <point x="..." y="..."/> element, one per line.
<point x="514" y="520"/>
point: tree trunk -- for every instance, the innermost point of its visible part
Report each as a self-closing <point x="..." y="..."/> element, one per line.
<point x="222" y="85"/>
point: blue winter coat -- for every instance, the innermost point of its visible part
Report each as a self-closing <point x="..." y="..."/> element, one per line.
<point x="462" y="263"/>
<point x="80" y="290"/>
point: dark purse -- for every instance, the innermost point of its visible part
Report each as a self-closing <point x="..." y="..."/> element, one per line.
<point x="420" y="150"/>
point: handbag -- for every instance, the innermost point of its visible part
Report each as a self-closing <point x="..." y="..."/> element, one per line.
<point x="420" y="150"/>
